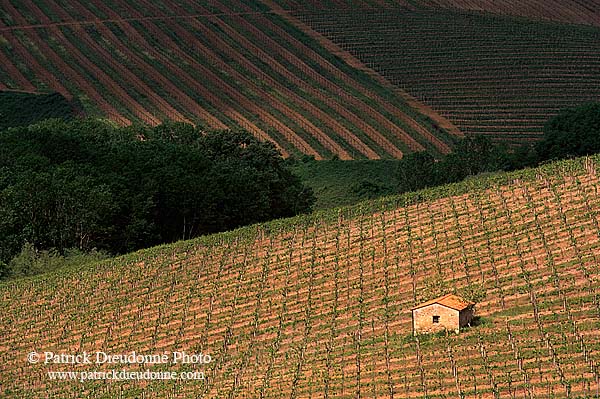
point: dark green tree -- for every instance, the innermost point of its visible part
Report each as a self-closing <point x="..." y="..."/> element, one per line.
<point x="417" y="171"/>
<point x="85" y="184"/>
<point x="573" y="132"/>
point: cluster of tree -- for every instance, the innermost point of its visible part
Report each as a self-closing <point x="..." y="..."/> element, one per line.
<point x="572" y="133"/>
<point x="85" y="184"/>
<point x="85" y="188"/>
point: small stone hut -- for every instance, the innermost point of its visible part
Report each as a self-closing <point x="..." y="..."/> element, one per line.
<point x="448" y="312"/>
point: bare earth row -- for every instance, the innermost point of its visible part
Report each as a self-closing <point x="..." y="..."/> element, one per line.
<point x="218" y="64"/>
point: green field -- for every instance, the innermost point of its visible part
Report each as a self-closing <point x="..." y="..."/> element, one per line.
<point x="338" y="183"/>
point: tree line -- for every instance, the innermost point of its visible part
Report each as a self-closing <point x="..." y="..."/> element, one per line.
<point x="574" y="132"/>
<point x="90" y="186"/>
<point x="81" y="190"/>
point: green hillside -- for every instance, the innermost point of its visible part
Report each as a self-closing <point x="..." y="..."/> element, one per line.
<point x="319" y="306"/>
<point x="338" y="183"/>
<point x="22" y="109"/>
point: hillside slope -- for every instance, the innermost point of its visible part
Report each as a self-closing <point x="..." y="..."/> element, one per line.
<point x="488" y="74"/>
<point x="220" y="64"/>
<point x="319" y="306"/>
<point x="585" y="12"/>
<point x="22" y="109"/>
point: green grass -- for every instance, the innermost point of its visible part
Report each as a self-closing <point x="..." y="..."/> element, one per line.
<point x="337" y="183"/>
<point x="22" y="109"/>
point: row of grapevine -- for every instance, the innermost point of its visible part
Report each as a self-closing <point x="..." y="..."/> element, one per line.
<point x="208" y="64"/>
<point x="571" y="11"/>
<point x="585" y="12"/>
<point x="489" y="75"/>
<point x="438" y="122"/>
<point x="341" y="4"/>
<point x="332" y="100"/>
<point x="54" y="82"/>
<point x="319" y="306"/>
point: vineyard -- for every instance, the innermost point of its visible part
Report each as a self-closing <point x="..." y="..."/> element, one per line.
<point x="488" y="74"/>
<point x="219" y="64"/>
<point x="584" y="12"/>
<point x="319" y="305"/>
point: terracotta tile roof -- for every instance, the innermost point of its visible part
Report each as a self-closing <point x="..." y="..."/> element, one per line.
<point x="449" y="300"/>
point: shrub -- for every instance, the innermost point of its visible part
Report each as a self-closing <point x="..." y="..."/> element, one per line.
<point x="573" y="132"/>
<point x="31" y="261"/>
